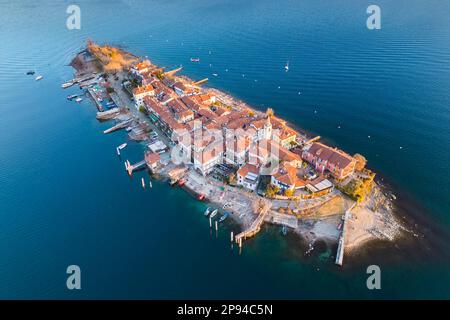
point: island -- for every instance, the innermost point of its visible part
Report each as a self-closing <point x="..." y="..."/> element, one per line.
<point x="249" y="164"/>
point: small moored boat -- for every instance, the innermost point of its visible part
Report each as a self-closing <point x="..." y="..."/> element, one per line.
<point x="207" y="211"/>
<point x="78" y="100"/>
<point x="224" y="217"/>
<point x="30" y="73"/>
<point x="195" y="59"/>
<point x="214" y="213"/>
<point x="122" y="146"/>
<point x="39" y="78"/>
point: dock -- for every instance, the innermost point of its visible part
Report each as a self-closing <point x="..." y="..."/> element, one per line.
<point x="171" y="73"/>
<point x="120" y="125"/>
<point x="254" y="228"/>
<point x="97" y="103"/>
<point x="197" y="83"/>
<point x="340" y="250"/>
<point x="131" y="167"/>
<point x="107" y="115"/>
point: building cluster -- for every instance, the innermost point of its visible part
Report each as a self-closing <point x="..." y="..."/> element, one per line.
<point x="200" y="124"/>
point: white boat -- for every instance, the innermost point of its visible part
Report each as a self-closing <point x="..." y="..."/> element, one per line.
<point x="150" y="184"/>
<point x="123" y="145"/>
<point x="214" y="213"/>
<point x="78" y="99"/>
<point x="39" y="78"/>
<point x="286" y="67"/>
<point x="215" y="74"/>
<point x="224" y="217"/>
<point x="207" y="211"/>
<point x="195" y="59"/>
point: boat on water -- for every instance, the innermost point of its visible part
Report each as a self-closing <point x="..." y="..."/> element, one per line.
<point x="214" y="213"/>
<point x="215" y="74"/>
<point x="122" y="146"/>
<point x="72" y="96"/>
<point x="39" y="78"/>
<point x="207" y="211"/>
<point x="181" y="182"/>
<point x="284" y="230"/>
<point x="30" y="73"/>
<point x="195" y="59"/>
<point x="173" y="182"/>
<point x="286" y="67"/>
<point x="150" y="184"/>
<point x="78" y="100"/>
<point x="224" y="217"/>
<point x="201" y="197"/>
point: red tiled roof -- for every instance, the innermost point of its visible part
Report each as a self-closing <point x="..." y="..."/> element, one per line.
<point x="248" y="168"/>
<point x="152" y="158"/>
<point x="334" y="156"/>
<point x="143" y="89"/>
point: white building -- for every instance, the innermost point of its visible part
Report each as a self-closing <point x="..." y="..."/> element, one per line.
<point x="140" y="93"/>
<point x="247" y="176"/>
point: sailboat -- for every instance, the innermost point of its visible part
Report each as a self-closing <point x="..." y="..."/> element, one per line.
<point x="286" y="67"/>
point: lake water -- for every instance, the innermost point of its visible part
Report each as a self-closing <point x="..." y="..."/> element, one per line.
<point x="66" y="199"/>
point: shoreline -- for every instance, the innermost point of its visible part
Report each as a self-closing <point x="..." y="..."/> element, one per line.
<point x="309" y="229"/>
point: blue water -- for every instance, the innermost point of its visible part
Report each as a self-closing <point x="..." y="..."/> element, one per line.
<point x="65" y="198"/>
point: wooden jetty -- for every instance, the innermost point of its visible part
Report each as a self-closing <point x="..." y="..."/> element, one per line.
<point x="254" y="228"/>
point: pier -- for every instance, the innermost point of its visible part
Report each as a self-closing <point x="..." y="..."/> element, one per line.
<point x="172" y="72"/>
<point x="97" y="103"/>
<point x="197" y="83"/>
<point x="107" y="115"/>
<point x="341" y="245"/>
<point x="120" y="125"/>
<point x="131" y="167"/>
<point x="254" y="228"/>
